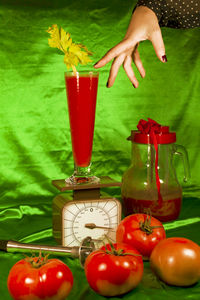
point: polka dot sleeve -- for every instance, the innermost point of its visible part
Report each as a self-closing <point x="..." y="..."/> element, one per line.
<point x="175" y="13"/>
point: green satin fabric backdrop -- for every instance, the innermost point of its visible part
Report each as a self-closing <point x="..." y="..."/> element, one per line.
<point x="35" y="145"/>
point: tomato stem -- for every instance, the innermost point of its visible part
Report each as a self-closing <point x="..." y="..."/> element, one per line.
<point x="37" y="261"/>
<point x="146" y="225"/>
<point x="113" y="251"/>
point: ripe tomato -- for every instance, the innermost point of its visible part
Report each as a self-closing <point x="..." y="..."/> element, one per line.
<point x="115" y="270"/>
<point x="141" y="231"/>
<point x="176" y="261"/>
<point x="39" y="278"/>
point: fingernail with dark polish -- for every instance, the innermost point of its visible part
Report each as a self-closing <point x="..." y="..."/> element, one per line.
<point x="95" y="64"/>
<point x="164" y="58"/>
<point x="134" y="86"/>
<point x="107" y="84"/>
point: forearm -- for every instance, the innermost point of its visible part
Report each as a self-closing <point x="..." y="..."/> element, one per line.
<point x="174" y="13"/>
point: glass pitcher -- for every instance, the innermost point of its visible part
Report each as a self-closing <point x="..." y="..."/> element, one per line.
<point x="150" y="183"/>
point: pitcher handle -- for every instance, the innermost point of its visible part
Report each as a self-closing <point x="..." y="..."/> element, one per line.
<point x="180" y="150"/>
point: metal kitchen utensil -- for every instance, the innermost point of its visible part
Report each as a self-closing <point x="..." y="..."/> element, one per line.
<point x="81" y="252"/>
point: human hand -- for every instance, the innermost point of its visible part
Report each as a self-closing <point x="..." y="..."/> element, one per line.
<point x="143" y="26"/>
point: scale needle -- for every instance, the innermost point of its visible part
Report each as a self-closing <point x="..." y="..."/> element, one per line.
<point x="92" y="226"/>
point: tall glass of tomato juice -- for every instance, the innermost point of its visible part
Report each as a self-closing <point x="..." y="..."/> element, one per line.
<point x="81" y="89"/>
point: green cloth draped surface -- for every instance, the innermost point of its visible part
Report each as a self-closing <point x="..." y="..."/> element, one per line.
<point x="35" y="145"/>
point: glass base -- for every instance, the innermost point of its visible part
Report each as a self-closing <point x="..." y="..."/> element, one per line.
<point x="82" y="175"/>
<point x="82" y="180"/>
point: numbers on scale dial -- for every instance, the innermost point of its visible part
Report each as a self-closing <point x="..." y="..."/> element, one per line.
<point x="100" y="213"/>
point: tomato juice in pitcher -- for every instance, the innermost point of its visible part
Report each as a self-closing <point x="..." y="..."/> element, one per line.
<point x="150" y="183"/>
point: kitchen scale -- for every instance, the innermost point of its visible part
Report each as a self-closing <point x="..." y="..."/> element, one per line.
<point x="82" y="210"/>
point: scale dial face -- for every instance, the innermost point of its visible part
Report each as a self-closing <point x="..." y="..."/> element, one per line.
<point x="94" y="218"/>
